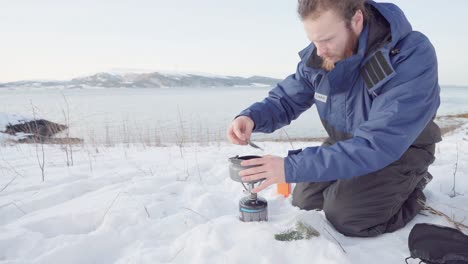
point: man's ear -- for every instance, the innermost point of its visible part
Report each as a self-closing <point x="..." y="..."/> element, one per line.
<point x="357" y="21"/>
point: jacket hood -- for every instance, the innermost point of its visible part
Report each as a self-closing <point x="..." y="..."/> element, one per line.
<point x="390" y="17"/>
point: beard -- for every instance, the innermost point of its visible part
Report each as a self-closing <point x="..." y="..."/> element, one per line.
<point x="329" y="64"/>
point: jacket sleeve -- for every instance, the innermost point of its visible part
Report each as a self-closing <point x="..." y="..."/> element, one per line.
<point x="404" y="107"/>
<point x="284" y="103"/>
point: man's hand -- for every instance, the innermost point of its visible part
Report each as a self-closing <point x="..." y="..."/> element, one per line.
<point x="271" y="168"/>
<point x="240" y="130"/>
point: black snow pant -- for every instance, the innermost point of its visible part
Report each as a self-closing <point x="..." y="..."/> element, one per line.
<point x="372" y="204"/>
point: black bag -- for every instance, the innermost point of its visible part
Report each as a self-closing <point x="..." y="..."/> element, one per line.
<point x="435" y="244"/>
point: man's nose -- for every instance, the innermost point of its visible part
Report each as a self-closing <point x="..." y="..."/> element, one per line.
<point x="321" y="50"/>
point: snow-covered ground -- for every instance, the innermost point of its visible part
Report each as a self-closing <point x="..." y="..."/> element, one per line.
<point x="137" y="204"/>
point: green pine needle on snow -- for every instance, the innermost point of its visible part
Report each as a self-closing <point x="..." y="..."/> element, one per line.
<point x="300" y="232"/>
<point x="288" y="235"/>
<point x="307" y="230"/>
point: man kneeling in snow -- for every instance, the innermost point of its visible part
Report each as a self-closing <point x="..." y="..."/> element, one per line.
<point x="374" y="82"/>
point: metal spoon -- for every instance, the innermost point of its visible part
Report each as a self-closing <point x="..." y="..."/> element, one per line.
<point x="254" y="145"/>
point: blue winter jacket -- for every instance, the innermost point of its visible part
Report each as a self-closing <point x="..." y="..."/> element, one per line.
<point x="374" y="105"/>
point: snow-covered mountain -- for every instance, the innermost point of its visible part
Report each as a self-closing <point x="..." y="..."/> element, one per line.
<point x="148" y="80"/>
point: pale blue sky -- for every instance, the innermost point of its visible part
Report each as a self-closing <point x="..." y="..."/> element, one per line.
<point x="57" y="39"/>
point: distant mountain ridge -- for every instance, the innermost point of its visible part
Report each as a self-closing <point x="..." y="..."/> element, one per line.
<point x="148" y="80"/>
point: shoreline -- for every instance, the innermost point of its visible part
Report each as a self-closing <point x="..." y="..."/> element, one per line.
<point x="450" y="123"/>
<point x="447" y="124"/>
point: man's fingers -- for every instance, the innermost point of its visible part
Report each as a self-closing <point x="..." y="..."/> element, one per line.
<point x="254" y="177"/>
<point x="252" y="171"/>
<point x="247" y="135"/>
<point x="240" y="130"/>
<point x="240" y="135"/>
<point x="233" y="137"/>
<point x="252" y="162"/>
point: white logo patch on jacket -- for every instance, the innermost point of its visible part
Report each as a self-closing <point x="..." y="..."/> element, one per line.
<point x="320" y="97"/>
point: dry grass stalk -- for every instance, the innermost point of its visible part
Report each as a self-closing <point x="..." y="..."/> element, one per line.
<point x="458" y="225"/>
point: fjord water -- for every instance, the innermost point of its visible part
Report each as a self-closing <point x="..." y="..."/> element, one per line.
<point x="169" y="114"/>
